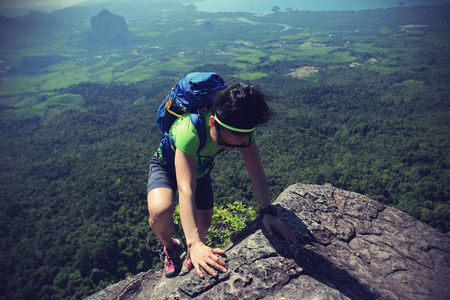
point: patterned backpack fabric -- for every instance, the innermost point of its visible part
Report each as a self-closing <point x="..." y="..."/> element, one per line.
<point x="193" y="94"/>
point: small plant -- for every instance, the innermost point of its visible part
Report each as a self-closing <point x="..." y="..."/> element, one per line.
<point x="227" y="221"/>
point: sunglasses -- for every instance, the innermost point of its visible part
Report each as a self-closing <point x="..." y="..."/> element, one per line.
<point x="223" y="144"/>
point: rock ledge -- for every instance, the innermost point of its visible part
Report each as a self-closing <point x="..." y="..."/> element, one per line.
<point x="349" y="247"/>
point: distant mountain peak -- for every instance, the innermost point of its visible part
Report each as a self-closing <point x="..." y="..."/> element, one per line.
<point x="105" y="12"/>
<point x="108" y="29"/>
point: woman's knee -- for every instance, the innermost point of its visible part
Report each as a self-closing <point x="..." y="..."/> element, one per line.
<point x="160" y="216"/>
<point x="161" y="206"/>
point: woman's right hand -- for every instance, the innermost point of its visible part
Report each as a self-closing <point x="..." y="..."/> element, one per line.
<point x="205" y="257"/>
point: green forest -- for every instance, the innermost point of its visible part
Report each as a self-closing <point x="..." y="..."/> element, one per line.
<point x="362" y="101"/>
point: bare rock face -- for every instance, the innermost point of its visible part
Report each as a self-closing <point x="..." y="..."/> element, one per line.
<point x="348" y="247"/>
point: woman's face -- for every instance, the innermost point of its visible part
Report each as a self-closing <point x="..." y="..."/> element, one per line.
<point x="227" y="140"/>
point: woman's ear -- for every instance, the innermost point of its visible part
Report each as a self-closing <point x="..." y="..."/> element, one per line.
<point x="211" y="121"/>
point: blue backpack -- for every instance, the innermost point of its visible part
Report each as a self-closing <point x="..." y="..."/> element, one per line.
<point x="193" y="94"/>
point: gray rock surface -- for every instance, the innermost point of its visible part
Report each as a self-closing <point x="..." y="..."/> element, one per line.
<point x="349" y="247"/>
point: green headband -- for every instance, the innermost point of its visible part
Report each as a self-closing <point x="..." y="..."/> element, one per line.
<point x="232" y="128"/>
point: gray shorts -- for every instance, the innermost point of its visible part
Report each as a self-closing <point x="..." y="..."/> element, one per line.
<point x="160" y="177"/>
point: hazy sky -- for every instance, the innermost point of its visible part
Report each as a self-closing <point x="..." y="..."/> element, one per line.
<point x="36" y="3"/>
<point x="227" y="4"/>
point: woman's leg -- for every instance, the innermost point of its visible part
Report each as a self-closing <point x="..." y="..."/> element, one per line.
<point x="161" y="206"/>
<point x="204" y="199"/>
<point x="204" y="218"/>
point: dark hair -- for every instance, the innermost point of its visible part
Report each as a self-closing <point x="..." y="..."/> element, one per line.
<point x="242" y="106"/>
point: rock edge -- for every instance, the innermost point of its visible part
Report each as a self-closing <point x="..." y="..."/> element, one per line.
<point x="348" y="247"/>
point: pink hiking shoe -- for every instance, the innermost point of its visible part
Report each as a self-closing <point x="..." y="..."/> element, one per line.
<point x="187" y="264"/>
<point x="172" y="261"/>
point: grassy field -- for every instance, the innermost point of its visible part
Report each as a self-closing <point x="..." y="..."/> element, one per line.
<point x="178" y="48"/>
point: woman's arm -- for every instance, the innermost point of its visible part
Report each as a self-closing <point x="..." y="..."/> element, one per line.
<point x="261" y="189"/>
<point x="186" y="180"/>
<point x="201" y="255"/>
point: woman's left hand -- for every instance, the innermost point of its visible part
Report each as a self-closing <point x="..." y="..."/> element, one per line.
<point x="272" y="223"/>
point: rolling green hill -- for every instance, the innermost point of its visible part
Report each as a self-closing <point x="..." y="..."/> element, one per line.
<point x="362" y="100"/>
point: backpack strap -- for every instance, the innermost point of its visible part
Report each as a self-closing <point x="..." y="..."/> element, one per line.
<point x="167" y="143"/>
<point x="198" y="120"/>
<point x="167" y="153"/>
